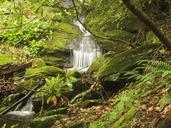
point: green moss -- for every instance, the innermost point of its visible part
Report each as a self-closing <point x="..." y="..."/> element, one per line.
<point x="38" y="62"/>
<point x="68" y="28"/>
<point x="45" y="122"/>
<point x="111" y="43"/>
<point x="166" y="99"/>
<point x="5" y="58"/>
<point x="26" y="84"/>
<point x="98" y="20"/>
<point x="125" y="120"/>
<point x="42" y="72"/>
<point x="112" y="20"/>
<point x="151" y="38"/>
<point x="53" y="61"/>
<point x="100" y="61"/>
<point x="57" y="49"/>
<point x="122" y="61"/>
<point x="64" y="33"/>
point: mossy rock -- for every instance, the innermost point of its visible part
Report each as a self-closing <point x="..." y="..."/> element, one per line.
<point x="117" y="40"/>
<point x="112" y="63"/>
<point x="26" y="84"/>
<point x="41" y="72"/>
<point x="57" y="51"/>
<point x="60" y="37"/>
<point x="53" y="61"/>
<point x="38" y="62"/>
<point x="5" y="59"/>
<point x="100" y="61"/>
<point x="165" y="100"/>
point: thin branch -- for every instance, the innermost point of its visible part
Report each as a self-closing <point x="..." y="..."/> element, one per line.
<point x="119" y="40"/>
<point x="77" y="17"/>
<point x="29" y="94"/>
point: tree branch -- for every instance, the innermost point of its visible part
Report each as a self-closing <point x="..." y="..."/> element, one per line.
<point x="77" y="17"/>
<point x="149" y="23"/>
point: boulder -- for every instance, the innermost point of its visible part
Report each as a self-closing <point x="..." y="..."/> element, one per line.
<point x="108" y="65"/>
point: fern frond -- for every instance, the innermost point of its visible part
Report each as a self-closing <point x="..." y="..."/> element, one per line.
<point x="147" y="70"/>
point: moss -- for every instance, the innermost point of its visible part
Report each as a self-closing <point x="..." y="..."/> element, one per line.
<point x="98" y="20"/>
<point x="151" y="38"/>
<point x="125" y="120"/>
<point x="62" y="35"/>
<point x="45" y="122"/>
<point x="26" y="84"/>
<point x="122" y="61"/>
<point x="5" y="59"/>
<point x="42" y="72"/>
<point x="53" y="61"/>
<point x="68" y="28"/>
<point x="165" y="100"/>
<point x="112" y="20"/>
<point x="57" y="50"/>
<point x="38" y="62"/>
<point x="111" y="43"/>
<point x="100" y="61"/>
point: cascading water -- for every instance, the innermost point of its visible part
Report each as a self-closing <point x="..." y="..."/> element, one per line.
<point x="24" y="115"/>
<point x="84" y="49"/>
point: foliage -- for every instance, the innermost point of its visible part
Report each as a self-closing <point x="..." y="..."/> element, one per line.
<point x="123" y="105"/>
<point x="32" y="37"/>
<point x="5" y="126"/>
<point x="153" y="71"/>
<point x="22" y="26"/>
<point x="119" y="15"/>
<point x="151" y="38"/>
<point x="56" y="86"/>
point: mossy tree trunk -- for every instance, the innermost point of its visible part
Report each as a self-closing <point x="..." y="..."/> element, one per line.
<point x="148" y="22"/>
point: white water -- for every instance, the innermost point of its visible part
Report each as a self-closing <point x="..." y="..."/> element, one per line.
<point x="85" y="49"/>
<point x="25" y="114"/>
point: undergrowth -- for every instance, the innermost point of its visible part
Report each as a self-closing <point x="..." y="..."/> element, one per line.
<point x="145" y="76"/>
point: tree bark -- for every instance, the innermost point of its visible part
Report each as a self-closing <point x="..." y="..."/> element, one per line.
<point x="148" y="22"/>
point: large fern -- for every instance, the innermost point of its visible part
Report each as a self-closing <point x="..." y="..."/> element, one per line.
<point x="152" y="69"/>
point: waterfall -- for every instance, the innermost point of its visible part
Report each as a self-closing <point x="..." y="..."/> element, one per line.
<point x="84" y="49"/>
<point x="25" y="114"/>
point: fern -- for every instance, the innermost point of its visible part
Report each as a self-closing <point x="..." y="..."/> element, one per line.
<point x="152" y="69"/>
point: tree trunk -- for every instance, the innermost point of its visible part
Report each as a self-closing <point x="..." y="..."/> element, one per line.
<point x="149" y="23"/>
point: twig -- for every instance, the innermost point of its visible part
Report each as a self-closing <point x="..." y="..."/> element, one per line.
<point x="77" y="16"/>
<point x="119" y="40"/>
<point x="81" y="95"/>
<point x="42" y="105"/>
